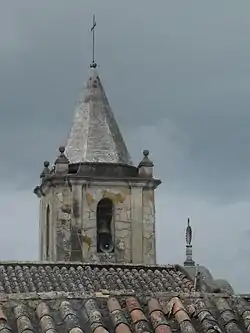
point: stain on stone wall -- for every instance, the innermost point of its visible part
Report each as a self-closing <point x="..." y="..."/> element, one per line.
<point x="63" y="204"/>
<point x="148" y="206"/>
<point x="63" y="240"/>
<point x="76" y="208"/>
<point x="149" y="254"/>
<point x="76" y="244"/>
<point x="89" y="242"/>
<point x="120" y="250"/>
<point x="122" y="213"/>
<point x="149" y="249"/>
<point x="119" y="197"/>
<point x="90" y="199"/>
<point x="123" y="241"/>
<point x="115" y="196"/>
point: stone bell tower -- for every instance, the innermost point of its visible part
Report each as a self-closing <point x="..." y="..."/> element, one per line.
<point x="95" y="205"/>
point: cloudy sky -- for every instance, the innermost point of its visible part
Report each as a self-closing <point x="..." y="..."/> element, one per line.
<point x="177" y="74"/>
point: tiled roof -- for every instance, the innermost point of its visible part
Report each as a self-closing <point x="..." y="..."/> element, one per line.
<point x="52" y="298"/>
<point x="100" y="313"/>
<point x="30" y="277"/>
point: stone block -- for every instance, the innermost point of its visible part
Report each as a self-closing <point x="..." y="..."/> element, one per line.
<point x="123" y="213"/>
<point x="89" y="223"/>
<point x="148" y="230"/>
<point x="122" y="225"/>
<point x="91" y="234"/>
<point x="63" y="216"/>
<point x="125" y="233"/>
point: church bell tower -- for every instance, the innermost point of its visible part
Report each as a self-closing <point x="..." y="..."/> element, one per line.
<point x="95" y="205"/>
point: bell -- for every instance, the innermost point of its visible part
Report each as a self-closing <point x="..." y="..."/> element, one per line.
<point x="105" y="243"/>
<point x="103" y="228"/>
<point x="105" y="237"/>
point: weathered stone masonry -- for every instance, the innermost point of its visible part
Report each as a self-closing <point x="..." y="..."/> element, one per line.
<point x="96" y="165"/>
<point x="75" y="209"/>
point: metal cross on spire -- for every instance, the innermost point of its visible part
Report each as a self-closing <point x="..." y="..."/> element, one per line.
<point x="93" y="64"/>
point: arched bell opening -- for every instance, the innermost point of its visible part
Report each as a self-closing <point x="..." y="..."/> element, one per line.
<point x="104" y="218"/>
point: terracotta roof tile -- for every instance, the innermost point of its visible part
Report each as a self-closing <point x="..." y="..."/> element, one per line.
<point x="125" y="314"/>
<point x="86" y="278"/>
<point x="96" y="298"/>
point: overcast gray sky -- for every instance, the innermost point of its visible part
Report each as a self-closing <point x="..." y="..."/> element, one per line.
<point x="177" y="74"/>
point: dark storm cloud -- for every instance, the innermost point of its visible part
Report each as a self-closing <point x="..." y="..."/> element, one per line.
<point x="177" y="75"/>
<point x="183" y="64"/>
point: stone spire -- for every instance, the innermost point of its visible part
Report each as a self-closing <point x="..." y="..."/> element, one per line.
<point x="95" y="205"/>
<point x="95" y="136"/>
<point x="189" y="249"/>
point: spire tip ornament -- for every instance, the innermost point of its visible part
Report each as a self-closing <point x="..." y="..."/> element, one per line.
<point x="93" y="64"/>
<point x="188" y="233"/>
<point x="189" y="248"/>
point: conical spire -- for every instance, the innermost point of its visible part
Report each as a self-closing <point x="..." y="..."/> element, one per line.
<point x="95" y="136"/>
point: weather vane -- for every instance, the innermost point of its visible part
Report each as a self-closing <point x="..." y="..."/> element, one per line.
<point x="93" y="65"/>
<point x="189" y="249"/>
<point x="188" y="233"/>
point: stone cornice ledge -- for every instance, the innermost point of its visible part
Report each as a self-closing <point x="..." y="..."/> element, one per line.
<point x="74" y="179"/>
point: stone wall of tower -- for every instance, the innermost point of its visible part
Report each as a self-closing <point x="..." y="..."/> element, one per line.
<point x="120" y="196"/>
<point x="75" y="207"/>
<point x="86" y="172"/>
<point x="59" y="199"/>
<point x="149" y="238"/>
<point x="62" y="219"/>
<point x="46" y="201"/>
<point x="134" y="221"/>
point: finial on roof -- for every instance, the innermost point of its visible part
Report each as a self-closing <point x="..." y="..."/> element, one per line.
<point x="189" y="248"/>
<point x="62" y="162"/>
<point x="93" y="64"/>
<point x="188" y="233"/>
<point x="145" y="167"/>
<point x="146" y="161"/>
<point x="46" y="170"/>
<point x="62" y="159"/>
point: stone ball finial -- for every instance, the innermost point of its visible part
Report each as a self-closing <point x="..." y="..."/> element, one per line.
<point x="146" y="165"/>
<point x="146" y="162"/>
<point x="46" y="170"/>
<point x="62" y="159"/>
<point x="62" y="149"/>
